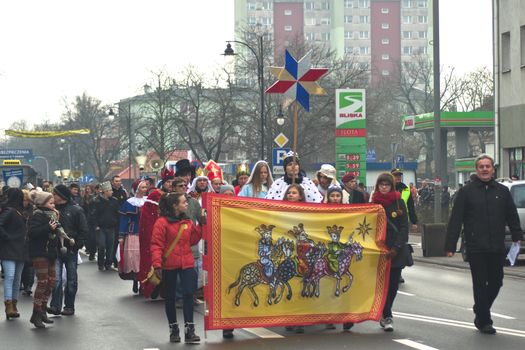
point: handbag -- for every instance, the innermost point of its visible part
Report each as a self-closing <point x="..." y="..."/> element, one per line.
<point x="152" y="276"/>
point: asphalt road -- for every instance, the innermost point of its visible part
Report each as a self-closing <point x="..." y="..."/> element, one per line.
<point x="431" y="312"/>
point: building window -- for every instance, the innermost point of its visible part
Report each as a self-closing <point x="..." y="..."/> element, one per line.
<point x="309" y="36"/>
<point x="252" y="20"/>
<point x="267" y="36"/>
<point x="364" y="66"/>
<point x="348" y="35"/>
<point x="422" y="19"/>
<point x="422" y="50"/>
<point x="364" y="4"/>
<point x="363" y="34"/>
<point x="385" y="10"/>
<point x="364" y="19"/>
<point x="364" y="50"/>
<point x="407" y="50"/>
<point x="385" y="57"/>
<point x="385" y="41"/>
<point x="505" y="52"/>
<point x="348" y="19"/>
<point x="309" y="21"/>
<point x="407" y="35"/>
<point x="349" y="49"/>
<point x="325" y="21"/>
<point x="267" y="21"/>
<point x="522" y="45"/>
<point x="251" y="6"/>
<point x="385" y="25"/>
<point x="267" y="5"/>
<point x="325" y="36"/>
<point x="325" y="5"/>
<point x="287" y="28"/>
<point x="422" y="3"/>
<point x="407" y="19"/>
<point x="407" y="3"/>
<point x="287" y="12"/>
<point x="349" y="4"/>
<point x="422" y="34"/>
<point x="309" y="5"/>
<point x="385" y="72"/>
<point x="516" y="166"/>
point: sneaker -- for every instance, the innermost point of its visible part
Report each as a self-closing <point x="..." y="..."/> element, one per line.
<point x="53" y="311"/>
<point x="387" y="324"/>
<point x="487" y="329"/>
<point x="227" y="333"/>
<point x="347" y="326"/>
<point x="68" y="311"/>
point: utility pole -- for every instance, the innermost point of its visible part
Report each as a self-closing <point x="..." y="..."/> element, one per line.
<point x="438" y="164"/>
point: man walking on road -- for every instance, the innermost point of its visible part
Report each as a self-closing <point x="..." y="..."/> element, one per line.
<point x="484" y="207"/>
<point x="74" y="222"/>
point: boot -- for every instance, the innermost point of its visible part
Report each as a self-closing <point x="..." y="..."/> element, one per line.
<point x="16" y="314"/>
<point x="36" y="319"/>
<point x="9" y="310"/>
<point x="189" y="334"/>
<point x="46" y="319"/>
<point x="174" y="333"/>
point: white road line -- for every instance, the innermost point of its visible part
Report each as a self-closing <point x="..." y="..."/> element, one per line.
<point x="418" y="245"/>
<point x="414" y="344"/>
<point x="454" y="323"/>
<point x="151" y="349"/>
<point x="263" y="333"/>
<point x="499" y="315"/>
<point x="405" y="293"/>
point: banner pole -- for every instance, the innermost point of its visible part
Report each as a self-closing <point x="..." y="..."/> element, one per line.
<point x="295" y="132"/>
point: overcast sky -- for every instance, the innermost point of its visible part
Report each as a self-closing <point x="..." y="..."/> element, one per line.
<point x="56" y="49"/>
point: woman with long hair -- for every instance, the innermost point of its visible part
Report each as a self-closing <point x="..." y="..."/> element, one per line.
<point x="13" y="233"/>
<point x="386" y="195"/>
<point x="173" y="235"/>
<point x="259" y="181"/>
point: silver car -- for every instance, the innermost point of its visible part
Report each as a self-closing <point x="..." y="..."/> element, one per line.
<point x="517" y="190"/>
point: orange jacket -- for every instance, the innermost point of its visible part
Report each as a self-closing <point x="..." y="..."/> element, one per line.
<point x="164" y="232"/>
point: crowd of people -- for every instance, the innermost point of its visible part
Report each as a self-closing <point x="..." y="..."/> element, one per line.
<point x="154" y="233"/>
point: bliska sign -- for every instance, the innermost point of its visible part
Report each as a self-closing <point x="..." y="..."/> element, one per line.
<point x="278" y="156"/>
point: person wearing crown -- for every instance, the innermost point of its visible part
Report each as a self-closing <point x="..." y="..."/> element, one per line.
<point x="294" y="174"/>
<point x="243" y="173"/>
<point x="148" y="216"/>
<point x="200" y="184"/>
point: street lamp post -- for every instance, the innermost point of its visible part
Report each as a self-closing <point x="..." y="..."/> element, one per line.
<point x="111" y="116"/>
<point x="63" y="141"/>
<point x="47" y="165"/>
<point x="260" y="77"/>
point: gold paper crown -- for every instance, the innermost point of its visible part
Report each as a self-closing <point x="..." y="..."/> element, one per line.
<point x="201" y="172"/>
<point x="243" y="168"/>
<point x="335" y="229"/>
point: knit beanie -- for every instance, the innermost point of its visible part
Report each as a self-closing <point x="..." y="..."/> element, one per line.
<point x="40" y="198"/>
<point x="63" y="192"/>
<point x="225" y="188"/>
<point x="332" y="189"/>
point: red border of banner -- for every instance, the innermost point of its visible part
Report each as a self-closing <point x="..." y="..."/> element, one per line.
<point x="211" y="264"/>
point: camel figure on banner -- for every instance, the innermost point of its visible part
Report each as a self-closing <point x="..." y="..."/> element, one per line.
<point x="261" y="271"/>
<point x="335" y="264"/>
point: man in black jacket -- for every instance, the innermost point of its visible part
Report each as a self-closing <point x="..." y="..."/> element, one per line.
<point x="120" y="194"/>
<point x="484" y="207"/>
<point x="74" y="222"/>
<point x="106" y="222"/>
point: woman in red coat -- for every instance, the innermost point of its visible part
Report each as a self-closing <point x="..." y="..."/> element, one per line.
<point x="172" y="223"/>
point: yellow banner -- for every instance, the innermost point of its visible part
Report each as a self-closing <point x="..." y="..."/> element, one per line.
<point x="277" y="263"/>
<point x="43" y="134"/>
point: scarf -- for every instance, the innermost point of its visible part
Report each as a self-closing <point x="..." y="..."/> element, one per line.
<point x="385" y="199"/>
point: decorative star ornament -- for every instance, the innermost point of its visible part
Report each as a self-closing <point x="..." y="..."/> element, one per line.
<point x="297" y="80"/>
<point x="364" y="229"/>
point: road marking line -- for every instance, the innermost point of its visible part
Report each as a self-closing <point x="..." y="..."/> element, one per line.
<point x="263" y="333"/>
<point x="418" y="245"/>
<point x="151" y="349"/>
<point x="498" y="315"/>
<point x="405" y="293"/>
<point x="454" y="323"/>
<point x="414" y="344"/>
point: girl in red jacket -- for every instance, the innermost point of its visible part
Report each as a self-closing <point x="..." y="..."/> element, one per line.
<point x="172" y="223"/>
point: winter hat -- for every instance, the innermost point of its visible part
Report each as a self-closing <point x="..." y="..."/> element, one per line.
<point x="328" y="171"/>
<point x="347" y="178"/>
<point x="183" y="166"/>
<point x="225" y="188"/>
<point x="63" y="192"/>
<point x="289" y="158"/>
<point x="105" y="186"/>
<point x="40" y="198"/>
<point x="332" y="189"/>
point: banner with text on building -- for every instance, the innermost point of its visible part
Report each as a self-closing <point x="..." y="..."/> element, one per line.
<point x="350" y="133"/>
<point x="277" y="263"/>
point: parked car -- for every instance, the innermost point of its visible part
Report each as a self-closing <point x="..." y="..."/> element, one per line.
<point x="517" y="191"/>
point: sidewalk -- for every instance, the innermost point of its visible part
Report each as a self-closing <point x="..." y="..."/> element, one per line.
<point x="456" y="261"/>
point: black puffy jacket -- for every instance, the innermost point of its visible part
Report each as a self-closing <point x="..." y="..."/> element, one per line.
<point x="42" y="242"/>
<point x="484" y="209"/>
<point x="74" y="222"/>
<point x="12" y="235"/>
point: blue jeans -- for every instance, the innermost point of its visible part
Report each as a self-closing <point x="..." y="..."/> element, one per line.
<point x="70" y="291"/>
<point x="169" y="279"/>
<point x="105" y="240"/>
<point x="12" y="276"/>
